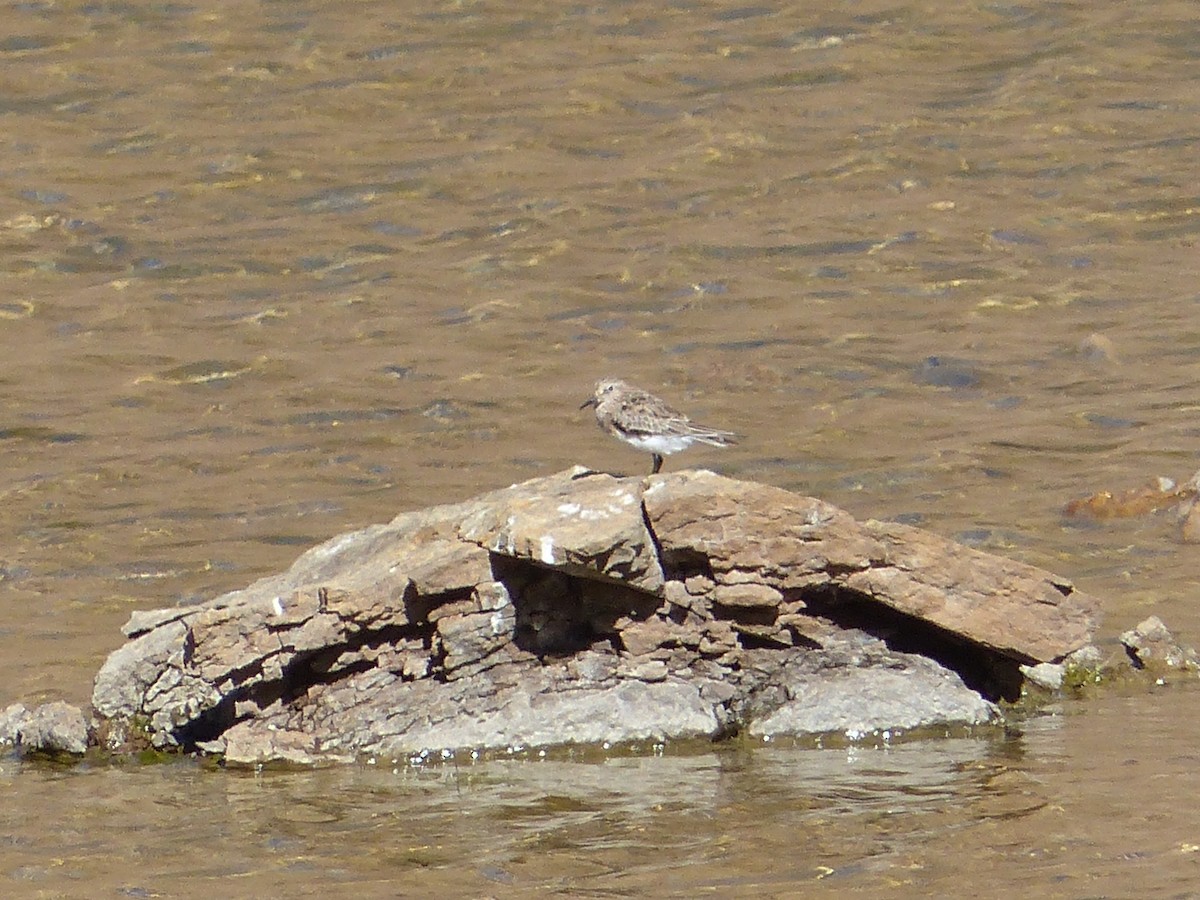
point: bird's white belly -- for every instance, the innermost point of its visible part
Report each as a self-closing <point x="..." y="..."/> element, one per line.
<point x="659" y="443"/>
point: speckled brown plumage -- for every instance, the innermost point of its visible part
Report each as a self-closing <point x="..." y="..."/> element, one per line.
<point x="647" y="422"/>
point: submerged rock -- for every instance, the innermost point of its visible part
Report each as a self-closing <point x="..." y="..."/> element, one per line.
<point x="1158" y="495"/>
<point x="584" y="608"/>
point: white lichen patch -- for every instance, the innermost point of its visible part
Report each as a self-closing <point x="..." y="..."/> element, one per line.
<point x="498" y="623"/>
<point x="621" y="501"/>
<point x="504" y="541"/>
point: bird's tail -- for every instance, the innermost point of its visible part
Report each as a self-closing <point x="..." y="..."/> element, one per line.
<point x="715" y="437"/>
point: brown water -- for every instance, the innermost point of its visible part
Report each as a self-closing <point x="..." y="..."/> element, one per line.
<point x="275" y="270"/>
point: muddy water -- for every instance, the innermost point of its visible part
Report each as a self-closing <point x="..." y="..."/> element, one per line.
<point x="272" y="271"/>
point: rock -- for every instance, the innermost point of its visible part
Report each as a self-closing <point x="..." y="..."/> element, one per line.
<point x="947" y="372"/>
<point x="584" y="523"/>
<point x="1188" y="512"/>
<point x="10" y="723"/>
<point x="584" y="608"/>
<point x="764" y="535"/>
<point x="1016" y="609"/>
<point x="1157" y="494"/>
<point x="55" y="727"/>
<point x="1085" y="659"/>
<point x="917" y="694"/>
<point x="1151" y="646"/>
<point x="1098" y="348"/>
<point x="1047" y="676"/>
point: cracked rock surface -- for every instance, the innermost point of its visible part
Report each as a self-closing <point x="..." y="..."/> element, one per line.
<point x="583" y="608"/>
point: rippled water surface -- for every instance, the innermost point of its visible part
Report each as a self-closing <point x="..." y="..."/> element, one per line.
<point x="275" y="270"/>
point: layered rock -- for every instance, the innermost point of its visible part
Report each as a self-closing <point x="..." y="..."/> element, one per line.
<point x="582" y="608"/>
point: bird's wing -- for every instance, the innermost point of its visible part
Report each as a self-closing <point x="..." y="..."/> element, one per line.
<point x="643" y="413"/>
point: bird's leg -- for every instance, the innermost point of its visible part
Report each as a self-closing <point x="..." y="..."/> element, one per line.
<point x="657" y="463"/>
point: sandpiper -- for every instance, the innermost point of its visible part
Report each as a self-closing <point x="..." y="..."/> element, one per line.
<point x="643" y="420"/>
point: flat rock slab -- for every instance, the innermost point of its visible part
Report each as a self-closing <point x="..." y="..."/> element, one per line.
<point x="584" y="608"/>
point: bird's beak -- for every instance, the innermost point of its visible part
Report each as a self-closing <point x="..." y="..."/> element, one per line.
<point x="591" y="401"/>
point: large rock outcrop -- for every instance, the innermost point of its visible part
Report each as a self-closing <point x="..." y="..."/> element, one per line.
<point x="582" y="607"/>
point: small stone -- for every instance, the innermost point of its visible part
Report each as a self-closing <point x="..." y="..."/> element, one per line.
<point x="718" y="692"/>
<point x="651" y="670"/>
<point x="640" y="638"/>
<point x="675" y="593"/>
<point x="718" y="638"/>
<point x="1190" y="527"/>
<point x="747" y="595"/>
<point x="56" y="727"/>
<point x="593" y="667"/>
<point x="1098" y="348"/>
<point x="1152" y="645"/>
<point x="1048" y="676"/>
<point x="1089" y="657"/>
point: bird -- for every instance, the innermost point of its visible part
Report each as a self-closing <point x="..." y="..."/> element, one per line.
<point x="648" y="423"/>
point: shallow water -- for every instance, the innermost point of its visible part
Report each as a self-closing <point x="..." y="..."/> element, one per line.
<point x="273" y="271"/>
<point x="1054" y="806"/>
